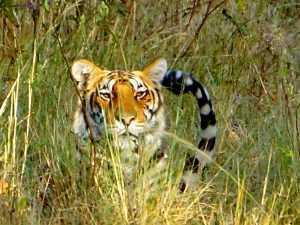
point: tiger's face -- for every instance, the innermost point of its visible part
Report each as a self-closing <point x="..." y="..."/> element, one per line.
<point x="127" y="105"/>
<point x="130" y="103"/>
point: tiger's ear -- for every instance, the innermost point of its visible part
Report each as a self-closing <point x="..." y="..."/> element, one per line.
<point x="82" y="70"/>
<point x="157" y="69"/>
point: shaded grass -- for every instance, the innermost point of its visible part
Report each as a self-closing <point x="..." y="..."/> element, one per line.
<point x="248" y="60"/>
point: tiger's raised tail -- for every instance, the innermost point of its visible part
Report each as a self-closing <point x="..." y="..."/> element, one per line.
<point x="180" y="82"/>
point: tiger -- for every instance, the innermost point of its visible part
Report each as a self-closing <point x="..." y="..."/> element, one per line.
<point x="129" y="108"/>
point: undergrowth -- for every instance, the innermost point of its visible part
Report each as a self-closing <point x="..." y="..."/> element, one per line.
<point x="245" y="52"/>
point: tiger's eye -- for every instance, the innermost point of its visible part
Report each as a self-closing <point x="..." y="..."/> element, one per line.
<point x="106" y="95"/>
<point x="141" y="94"/>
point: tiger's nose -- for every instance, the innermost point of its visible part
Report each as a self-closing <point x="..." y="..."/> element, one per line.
<point x="127" y="120"/>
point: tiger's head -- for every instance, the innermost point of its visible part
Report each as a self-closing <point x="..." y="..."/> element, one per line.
<point x="126" y="105"/>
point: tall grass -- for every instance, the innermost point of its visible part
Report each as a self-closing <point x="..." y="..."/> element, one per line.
<point x="245" y="52"/>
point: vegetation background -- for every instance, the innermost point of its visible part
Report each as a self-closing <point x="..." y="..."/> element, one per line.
<point x="247" y="53"/>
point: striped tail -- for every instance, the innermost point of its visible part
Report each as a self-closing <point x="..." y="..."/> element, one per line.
<point x="180" y="82"/>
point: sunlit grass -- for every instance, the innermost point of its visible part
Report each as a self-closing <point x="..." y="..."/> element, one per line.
<point x="246" y="56"/>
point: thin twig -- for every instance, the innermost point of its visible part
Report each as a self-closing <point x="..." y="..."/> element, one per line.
<point x="82" y="101"/>
<point x="289" y="114"/>
<point x="192" y="15"/>
<point x="297" y="129"/>
<point x="207" y="14"/>
<point x="34" y="15"/>
<point x="162" y="25"/>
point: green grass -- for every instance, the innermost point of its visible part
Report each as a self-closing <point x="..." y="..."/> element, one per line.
<point x="247" y="55"/>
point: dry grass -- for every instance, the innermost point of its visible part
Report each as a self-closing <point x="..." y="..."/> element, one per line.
<point x="245" y="52"/>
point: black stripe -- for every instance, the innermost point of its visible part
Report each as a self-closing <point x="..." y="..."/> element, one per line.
<point x="207" y="144"/>
<point x="207" y="120"/>
<point x="152" y="95"/>
<point x="171" y="83"/>
<point x="182" y="186"/>
<point x="203" y="101"/>
<point x="193" y="87"/>
<point x="192" y="164"/>
<point x="159" y="99"/>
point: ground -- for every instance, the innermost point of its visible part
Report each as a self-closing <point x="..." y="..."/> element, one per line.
<point x="245" y="52"/>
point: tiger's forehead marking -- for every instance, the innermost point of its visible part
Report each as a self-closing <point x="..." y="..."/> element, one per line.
<point x="118" y="76"/>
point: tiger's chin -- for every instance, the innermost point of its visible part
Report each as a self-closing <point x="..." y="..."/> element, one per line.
<point x="124" y="138"/>
<point x="134" y="139"/>
<point x="127" y="142"/>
